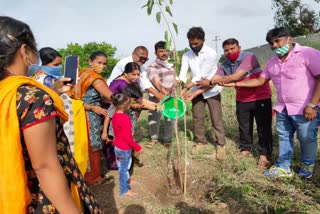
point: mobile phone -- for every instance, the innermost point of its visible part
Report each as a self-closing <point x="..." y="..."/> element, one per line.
<point x="71" y="68"/>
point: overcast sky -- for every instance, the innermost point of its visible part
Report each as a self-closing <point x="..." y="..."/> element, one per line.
<point x="125" y="25"/>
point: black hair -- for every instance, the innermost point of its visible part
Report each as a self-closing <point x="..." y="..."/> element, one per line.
<point x="140" y="47"/>
<point x="133" y="90"/>
<point x="160" y="45"/>
<point x="119" y="99"/>
<point x="196" y="33"/>
<point x="277" y="33"/>
<point x="95" y="54"/>
<point x="47" y="55"/>
<point x="13" y="34"/>
<point x="131" y="66"/>
<point x="230" y="41"/>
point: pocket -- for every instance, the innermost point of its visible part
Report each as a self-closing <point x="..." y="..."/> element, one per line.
<point x="295" y="68"/>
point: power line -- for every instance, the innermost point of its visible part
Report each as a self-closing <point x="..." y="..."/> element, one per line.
<point x="216" y="39"/>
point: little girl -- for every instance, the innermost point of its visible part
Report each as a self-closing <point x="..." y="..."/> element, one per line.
<point x="123" y="141"/>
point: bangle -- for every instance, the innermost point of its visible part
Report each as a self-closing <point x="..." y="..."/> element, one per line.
<point x="155" y="108"/>
<point x="90" y="107"/>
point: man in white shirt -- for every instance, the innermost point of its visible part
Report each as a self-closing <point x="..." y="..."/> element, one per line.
<point x="139" y="56"/>
<point x="202" y="62"/>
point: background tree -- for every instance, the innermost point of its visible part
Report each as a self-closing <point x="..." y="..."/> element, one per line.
<point x="85" y="51"/>
<point x="296" y="16"/>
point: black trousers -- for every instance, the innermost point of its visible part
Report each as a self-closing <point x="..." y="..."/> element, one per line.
<point x="261" y="111"/>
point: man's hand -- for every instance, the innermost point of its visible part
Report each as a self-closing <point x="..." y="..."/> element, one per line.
<point x="231" y="84"/>
<point x="190" y="96"/>
<point x="203" y="83"/>
<point x="309" y="113"/>
<point x="183" y="93"/>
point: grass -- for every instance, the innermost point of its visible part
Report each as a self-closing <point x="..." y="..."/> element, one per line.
<point x="233" y="185"/>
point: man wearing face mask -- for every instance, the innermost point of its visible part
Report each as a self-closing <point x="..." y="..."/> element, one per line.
<point x="162" y="75"/>
<point x="252" y="103"/>
<point x="295" y="73"/>
<point x="139" y="56"/>
<point x="202" y="62"/>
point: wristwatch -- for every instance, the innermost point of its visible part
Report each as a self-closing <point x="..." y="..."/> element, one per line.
<point x="315" y="107"/>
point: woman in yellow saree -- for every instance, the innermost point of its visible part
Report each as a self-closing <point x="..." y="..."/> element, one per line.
<point x="36" y="164"/>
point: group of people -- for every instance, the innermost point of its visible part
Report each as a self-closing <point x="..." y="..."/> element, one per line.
<point x="295" y="74"/>
<point x="53" y="129"/>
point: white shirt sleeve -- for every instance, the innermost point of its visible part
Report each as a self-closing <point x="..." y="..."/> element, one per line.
<point x="116" y="71"/>
<point x="144" y="82"/>
<point x="184" y="68"/>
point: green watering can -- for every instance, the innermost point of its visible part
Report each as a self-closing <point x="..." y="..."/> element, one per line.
<point x="168" y="109"/>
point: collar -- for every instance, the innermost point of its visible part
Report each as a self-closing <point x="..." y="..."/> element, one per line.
<point x="164" y="63"/>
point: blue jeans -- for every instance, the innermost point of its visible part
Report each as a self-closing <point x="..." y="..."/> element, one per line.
<point x="307" y="132"/>
<point x="124" y="161"/>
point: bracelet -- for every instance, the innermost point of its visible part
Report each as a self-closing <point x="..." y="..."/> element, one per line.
<point x="91" y="108"/>
<point x="312" y="105"/>
<point x="155" y="108"/>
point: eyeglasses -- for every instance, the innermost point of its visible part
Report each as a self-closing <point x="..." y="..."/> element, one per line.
<point x="141" y="58"/>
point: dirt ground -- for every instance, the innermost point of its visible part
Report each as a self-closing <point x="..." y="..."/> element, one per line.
<point x="157" y="187"/>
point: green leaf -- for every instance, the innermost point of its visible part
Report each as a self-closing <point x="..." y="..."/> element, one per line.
<point x="166" y="37"/>
<point x="169" y="44"/>
<point x="171" y="1"/>
<point x="168" y="10"/>
<point x="175" y="26"/>
<point x="150" y="6"/>
<point x="167" y="47"/>
<point x="160" y="2"/>
<point x="158" y="16"/>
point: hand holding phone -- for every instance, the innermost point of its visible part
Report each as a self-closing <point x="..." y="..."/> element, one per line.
<point x="71" y="68"/>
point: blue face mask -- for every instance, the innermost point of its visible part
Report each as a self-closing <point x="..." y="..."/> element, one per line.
<point x="53" y="71"/>
<point x="33" y="68"/>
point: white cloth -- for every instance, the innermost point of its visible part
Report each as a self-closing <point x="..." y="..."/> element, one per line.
<point x="144" y="82"/>
<point x="203" y="66"/>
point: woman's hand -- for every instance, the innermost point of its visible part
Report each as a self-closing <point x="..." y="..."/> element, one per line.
<point x="62" y="85"/>
<point x="104" y="136"/>
<point x="99" y="111"/>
